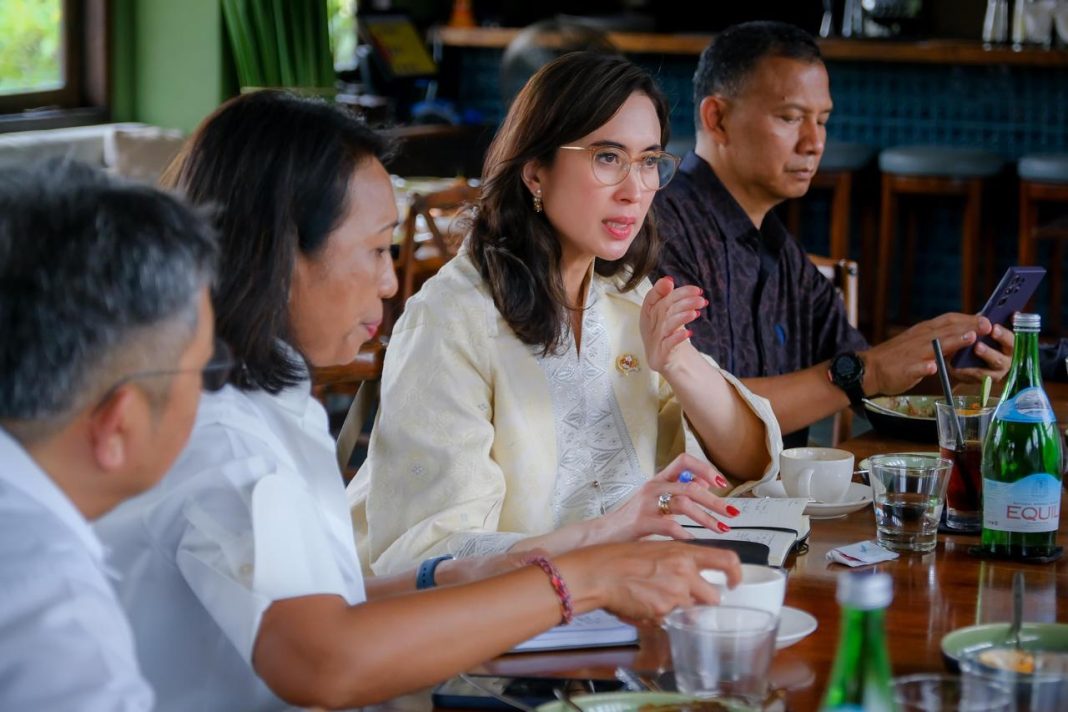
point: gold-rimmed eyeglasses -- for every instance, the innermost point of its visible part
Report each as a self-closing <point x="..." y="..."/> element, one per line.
<point x="612" y="165"/>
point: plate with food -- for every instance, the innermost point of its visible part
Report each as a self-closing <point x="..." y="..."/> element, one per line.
<point x="646" y="702"/>
<point x="906" y="417"/>
<point x="976" y="639"/>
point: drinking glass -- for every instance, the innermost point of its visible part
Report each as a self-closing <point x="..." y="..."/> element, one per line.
<point x="1037" y="686"/>
<point x="964" y="495"/>
<point x="722" y="651"/>
<point x="908" y="493"/>
<point x="933" y="692"/>
<point x="1060" y="22"/>
<point x="996" y="22"/>
<point x="1036" y="18"/>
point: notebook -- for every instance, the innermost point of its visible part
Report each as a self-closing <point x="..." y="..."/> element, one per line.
<point x="596" y="629"/>
<point x="778" y="523"/>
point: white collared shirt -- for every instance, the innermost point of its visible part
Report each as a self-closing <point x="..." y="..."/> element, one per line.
<point x="254" y="511"/>
<point x="65" y="643"/>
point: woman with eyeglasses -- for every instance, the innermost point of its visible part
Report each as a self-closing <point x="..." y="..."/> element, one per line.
<point x="534" y="386"/>
<point x="239" y="572"/>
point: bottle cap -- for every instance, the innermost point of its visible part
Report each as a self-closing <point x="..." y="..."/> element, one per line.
<point x="1030" y="322"/>
<point x="865" y="591"/>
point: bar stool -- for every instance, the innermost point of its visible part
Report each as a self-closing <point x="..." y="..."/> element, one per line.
<point x="839" y="165"/>
<point x="1044" y="179"/>
<point x="929" y="171"/>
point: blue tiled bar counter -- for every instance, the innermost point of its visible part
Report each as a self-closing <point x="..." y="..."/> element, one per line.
<point x="886" y="93"/>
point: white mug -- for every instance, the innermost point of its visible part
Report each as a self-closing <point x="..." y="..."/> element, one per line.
<point x="762" y="587"/>
<point x="820" y="473"/>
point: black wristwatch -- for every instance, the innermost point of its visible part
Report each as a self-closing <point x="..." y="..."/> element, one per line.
<point x="847" y="372"/>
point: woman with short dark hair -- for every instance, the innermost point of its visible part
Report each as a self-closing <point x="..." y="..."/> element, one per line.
<point x="535" y="384"/>
<point x="239" y="572"/>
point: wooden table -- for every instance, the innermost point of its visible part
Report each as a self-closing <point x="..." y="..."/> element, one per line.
<point x="933" y="594"/>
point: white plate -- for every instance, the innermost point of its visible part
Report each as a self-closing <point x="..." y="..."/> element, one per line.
<point x="857" y="497"/>
<point x="794" y="624"/>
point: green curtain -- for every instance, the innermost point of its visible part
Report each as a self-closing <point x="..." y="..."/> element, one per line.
<point x="280" y="43"/>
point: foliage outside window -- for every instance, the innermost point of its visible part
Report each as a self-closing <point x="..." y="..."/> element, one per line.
<point x="342" y="18"/>
<point x="31" y="51"/>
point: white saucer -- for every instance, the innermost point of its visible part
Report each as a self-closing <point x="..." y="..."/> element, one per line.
<point x="794" y="624"/>
<point x="857" y="497"/>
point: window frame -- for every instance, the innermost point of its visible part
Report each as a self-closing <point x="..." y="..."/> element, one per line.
<point x="85" y="59"/>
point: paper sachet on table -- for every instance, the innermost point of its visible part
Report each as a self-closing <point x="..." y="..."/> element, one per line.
<point x="863" y="553"/>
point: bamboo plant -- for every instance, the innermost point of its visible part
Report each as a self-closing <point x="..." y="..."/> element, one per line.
<point x="280" y="43"/>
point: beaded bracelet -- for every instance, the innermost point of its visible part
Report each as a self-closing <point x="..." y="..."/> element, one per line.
<point x="559" y="586"/>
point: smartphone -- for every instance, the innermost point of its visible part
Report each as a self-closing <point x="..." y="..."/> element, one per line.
<point x="532" y="691"/>
<point x="1011" y="295"/>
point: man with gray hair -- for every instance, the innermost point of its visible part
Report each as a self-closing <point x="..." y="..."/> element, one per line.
<point x="107" y="336"/>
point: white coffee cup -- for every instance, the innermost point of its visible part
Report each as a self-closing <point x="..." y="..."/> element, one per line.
<point x="819" y="473"/>
<point x="762" y="587"/>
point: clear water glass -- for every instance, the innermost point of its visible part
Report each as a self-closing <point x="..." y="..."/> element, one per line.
<point x="722" y="652"/>
<point x="908" y="494"/>
<point x="933" y="692"/>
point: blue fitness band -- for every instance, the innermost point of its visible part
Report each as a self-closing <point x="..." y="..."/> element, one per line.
<point x="425" y="577"/>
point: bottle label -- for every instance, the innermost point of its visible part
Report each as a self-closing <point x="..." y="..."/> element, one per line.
<point x="1030" y="504"/>
<point x="1028" y="406"/>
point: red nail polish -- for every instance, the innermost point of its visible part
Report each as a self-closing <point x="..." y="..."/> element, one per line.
<point x="689" y="333"/>
<point x="723" y="527"/>
<point x="721" y="481"/>
<point x="733" y="511"/>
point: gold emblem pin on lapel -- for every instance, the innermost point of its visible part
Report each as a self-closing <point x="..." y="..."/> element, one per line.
<point x="628" y="364"/>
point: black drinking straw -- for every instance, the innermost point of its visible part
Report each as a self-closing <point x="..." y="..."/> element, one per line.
<point x="943" y="376"/>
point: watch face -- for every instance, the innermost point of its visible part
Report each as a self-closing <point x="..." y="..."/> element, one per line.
<point x="847" y="367"/>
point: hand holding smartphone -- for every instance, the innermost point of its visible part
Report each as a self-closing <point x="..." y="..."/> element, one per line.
<point x="1010" y="296"/>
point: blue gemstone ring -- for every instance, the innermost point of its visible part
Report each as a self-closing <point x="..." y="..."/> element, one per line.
<point x="686" y="476"/>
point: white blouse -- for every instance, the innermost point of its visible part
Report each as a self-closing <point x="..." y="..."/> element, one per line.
<point x="597" y="467"/>
<point x="65" y="643"/>
<point x="480" y="441"/>
<point x="253" y="512"/>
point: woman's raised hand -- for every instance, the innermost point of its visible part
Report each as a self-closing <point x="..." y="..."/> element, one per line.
<point x="644" y="581"/>
<point x="665" y="313"/>
<point x="643" y="514"/>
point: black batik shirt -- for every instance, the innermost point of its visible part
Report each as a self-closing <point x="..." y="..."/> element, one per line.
<point x="770" y="310"/>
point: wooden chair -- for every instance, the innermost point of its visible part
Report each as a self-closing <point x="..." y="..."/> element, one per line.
<point x="838" y="173"/>
<point x="360" y="379"/>
<point x="937" y="172"/>
<point x="418" y="260"/>
<point x="843" y="274"/>
<point x="1044" y="181"/>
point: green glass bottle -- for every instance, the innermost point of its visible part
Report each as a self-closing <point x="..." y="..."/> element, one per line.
<point x="860" y="678"/>
<point x="1022" y="459"/>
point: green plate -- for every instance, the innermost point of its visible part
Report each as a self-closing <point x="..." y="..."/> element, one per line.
<point x="1033" y="636"/>
<point x="630" y="702"/>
